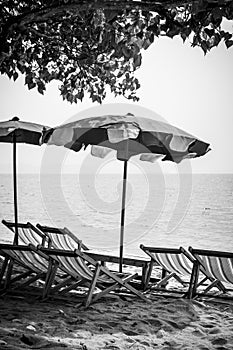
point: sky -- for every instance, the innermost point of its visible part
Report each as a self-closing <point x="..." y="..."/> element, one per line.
<point x="188" y="89"/>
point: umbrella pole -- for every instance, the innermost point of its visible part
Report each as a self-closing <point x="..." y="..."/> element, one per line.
<point x="15" y="189"/>
<point x="123" y="214"/>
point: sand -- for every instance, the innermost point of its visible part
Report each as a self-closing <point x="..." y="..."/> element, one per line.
<point x="164" y="322"/>
<point x="112" y="323"/>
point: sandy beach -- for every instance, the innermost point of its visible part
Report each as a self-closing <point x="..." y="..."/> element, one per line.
<point x="113" y="323"/>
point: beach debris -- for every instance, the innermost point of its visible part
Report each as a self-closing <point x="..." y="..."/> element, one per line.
<point x="129" y="332"/>
<point x="16" y="320"/>
<point x="3" y="342"/>
<point x="215" y="330"/>
<point x="40" y="343"/>
<point x="198" y="332"/>
<point x="76" y="321"/>
<point x="62" y="313"/>
<point x="28" y="340"/>
<point x="172" y="344"/>
<point x="219" y="341"/>
<point x="199" y="303"/>
<point x="30" y="327"/>
<point x="161" y="333"/>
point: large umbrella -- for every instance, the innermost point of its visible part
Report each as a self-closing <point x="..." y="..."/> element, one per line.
<point x="16" y="131"/>
<point x="129" y="135"/>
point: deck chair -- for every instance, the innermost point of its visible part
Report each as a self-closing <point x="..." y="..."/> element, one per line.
<point x="174" y="263"/>
<point x="218" y="267"/>
<point x="177" y="263"/>
<point x="35" y="265"/>
<point x="85" y="271"/>
<point x="64" y="238"/>
<point x="28" y="233"/>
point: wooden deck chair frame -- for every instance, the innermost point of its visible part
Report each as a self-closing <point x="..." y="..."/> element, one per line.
<point x="185" y="268"/>
<point x="217" y="272"/>
<point x="62" y="243"/>
<point x="63" y="231"/>
<point x="80" y="271"/>
<point x="167" y="273"/>
<point x="7" y="265"/>
<point x="28" y="233"/>
<point x="22" y="255"/>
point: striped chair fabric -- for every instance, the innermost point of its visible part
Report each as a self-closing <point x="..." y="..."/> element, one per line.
<point x="73" y="266"/>
<point x="77" y="264"/>
<point x="218" y="265"/>
<point x="62" y="241"/>
<point x="28" y="233"/>
<point x="68" y="240"/>
<point x="33" y="261"/>
<point x="173" y="262"/>
<point x="27" y="258"/>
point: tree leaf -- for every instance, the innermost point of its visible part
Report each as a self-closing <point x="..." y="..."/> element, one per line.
<point x="204" y="47"/>
<point x="65" y="42"/>
<point x="228" y="43"/>
<point x="15" y="76"/>
<point x="137" y="61"/>
<point x="31" y="85"/>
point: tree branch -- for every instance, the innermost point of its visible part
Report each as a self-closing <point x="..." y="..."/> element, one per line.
<point x="48" y="12"/>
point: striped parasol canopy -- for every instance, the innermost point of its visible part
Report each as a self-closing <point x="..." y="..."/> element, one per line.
<point x="128" y="135"/>
<point x="15" y="131"/>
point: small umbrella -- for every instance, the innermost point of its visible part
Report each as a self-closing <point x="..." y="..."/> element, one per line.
<point x="16" y="131"/>
<point x="128" y="135"/>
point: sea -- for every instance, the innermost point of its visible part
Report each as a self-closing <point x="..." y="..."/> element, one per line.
<point x="161" y="210"/>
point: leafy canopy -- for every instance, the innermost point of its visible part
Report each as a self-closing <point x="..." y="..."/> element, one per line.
<point x="91" y="45"/>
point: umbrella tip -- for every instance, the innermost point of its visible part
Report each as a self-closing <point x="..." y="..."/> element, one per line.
<point x="15" y="119"/>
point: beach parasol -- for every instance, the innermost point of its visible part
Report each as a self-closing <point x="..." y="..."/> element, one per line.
<point x="129" y="136"/>
<point x="15" y="131"/>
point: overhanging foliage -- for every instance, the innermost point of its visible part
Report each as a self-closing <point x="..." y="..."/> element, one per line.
<point x="89" y="45"/>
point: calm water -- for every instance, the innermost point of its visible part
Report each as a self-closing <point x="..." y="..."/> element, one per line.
<point x="168" y="210"/>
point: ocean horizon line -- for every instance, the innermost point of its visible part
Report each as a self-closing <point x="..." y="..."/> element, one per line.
<point x="117" y="173"/>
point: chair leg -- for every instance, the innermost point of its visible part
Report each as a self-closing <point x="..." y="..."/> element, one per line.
<point x="10" y="281"/>
<point x="71" y="287"/>
<point x="61" y="284"/>
<point x="93" y="284"/>
<point x="179" y="279"/>
<point x="21" y="276"/>
<point x="202" y="281"/>
<point x="52" y="270"/>
<point x="110" y="288"/>
<point x="210" y="286"/>
<point x="3" y="269"/>
<point x="221" y="287"/>
<point x="123" y="283"/>
<point x="163" y="282"/>
<point x="163" y="277"/>
<point x="148" y="275"/>
<point x="8" y="273"/>
<point x="193" y="280"/>
<point x="144" y="275"/>
<point x="32" y="279"/>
